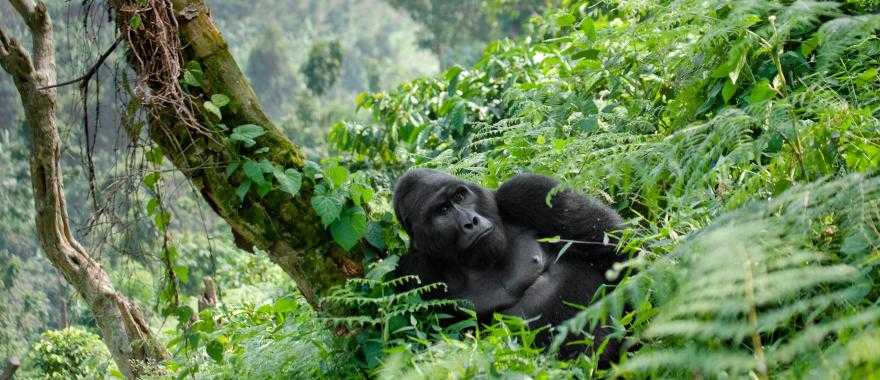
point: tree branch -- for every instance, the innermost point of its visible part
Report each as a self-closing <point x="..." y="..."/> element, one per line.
<point x="25" y="8"/>
<point x="14" y="58"/>
<point x="92" y="71"/>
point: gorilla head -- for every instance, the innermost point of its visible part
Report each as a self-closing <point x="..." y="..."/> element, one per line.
<point x="448" y="219"/>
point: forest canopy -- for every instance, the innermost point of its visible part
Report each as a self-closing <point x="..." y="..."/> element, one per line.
<point x="228" y="174"/>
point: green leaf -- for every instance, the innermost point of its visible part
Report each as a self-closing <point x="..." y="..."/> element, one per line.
<point x="728" y="91"/>
<point x="289" y="181"/>
<point x="589" y="28"/>
<point x="193" y="74"/>
<point x="219" y="100"/>
<point x="190" y="79"/>
<point x="231" y="169"/>
<point x="215" y="350"/>
<point x="264" y="188"/>
<point x="350" y="227"/>
<point x="736" y="60"/>
<point x="242" y="189"/>
<point x="808" y="46"/>
<point x="184" y="313"/>
<point x="565" y="19"/>
<point x="328" y="207"/>
<point x="867" y="76"/>
<point x="182" y="273"/>
<point x="285" y="305"/>
<point x="135" y="23"/>
<point x="312" y="170"/>
<point x="150" y="180"/>
<point x="761" y="92"/>
<point x="452" y="72"/>
<point x="246" y="134"/>
<point x="337" y="174"/>
<point x="375" y="235"/>
<point x="213" y="110"/>
<point x="382" y="268"/>
<point x="586" y="54"/>
<point x="361" y="99"/>
<point x="152" y="206"/>
<point x="254" y="172"/>
<point x="161" y="220"/>
<point x="361" y="194"/>
<point x="155" y="156"/>
<point x="551" y="239"/>
<point x="267" y="166"/>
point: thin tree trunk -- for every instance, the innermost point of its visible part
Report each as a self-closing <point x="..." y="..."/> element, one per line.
<point x="285" y="227"/>
<point x="11" y="366"/>
<point x="123" y="328"/>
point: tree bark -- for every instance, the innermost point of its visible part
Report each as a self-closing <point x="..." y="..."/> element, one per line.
<point x="285" y="227"/>
<point x="11" y="366"/>
<point x="123" y="328"/>
<point x="208" y="300"/>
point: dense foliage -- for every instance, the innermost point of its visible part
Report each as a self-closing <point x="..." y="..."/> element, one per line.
<point x="70" y="353"/>
<point x="740" y="138"/>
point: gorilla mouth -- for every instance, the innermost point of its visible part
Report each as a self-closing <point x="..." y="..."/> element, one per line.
<point x="479" y="237"/>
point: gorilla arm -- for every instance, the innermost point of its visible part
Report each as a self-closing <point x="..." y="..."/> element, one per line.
<point x="572" y="216"/>
<point x="485" y="288"/>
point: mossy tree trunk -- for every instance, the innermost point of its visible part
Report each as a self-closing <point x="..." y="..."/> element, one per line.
<point x="123" y="328"/>
<point x="285" y="227"/>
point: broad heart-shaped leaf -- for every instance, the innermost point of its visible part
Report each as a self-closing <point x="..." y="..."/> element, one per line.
<point x="254" y="171"/>
<point x="264" y="188"/>
<point x="383" y="267"/>
<point x="350" y="227"/>
<point x="192" y="78"/>
<point x="215" y="350"/>
<point x="761" y="92"/>
<point x="336" y="174"/>
<point x="289" y="180"/>
<point x="375" y="235"/>
<point x="219" y="100"/>
<point x="246" y="134"/>
<point x="213" y="110"/>
<point x="327" y="205"/>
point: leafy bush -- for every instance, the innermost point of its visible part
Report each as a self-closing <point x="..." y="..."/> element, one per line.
<point x="322" y="67"/>
<point x="71" y="353"/>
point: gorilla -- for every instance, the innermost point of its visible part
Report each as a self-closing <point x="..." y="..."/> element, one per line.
<point x="485" y="246"/>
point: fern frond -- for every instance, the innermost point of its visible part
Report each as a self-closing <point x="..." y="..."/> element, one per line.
<point x="838" y="35"/>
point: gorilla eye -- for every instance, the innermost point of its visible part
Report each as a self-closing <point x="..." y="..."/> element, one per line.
<point x="443" y="209"/>
<point x="459" y="195"/>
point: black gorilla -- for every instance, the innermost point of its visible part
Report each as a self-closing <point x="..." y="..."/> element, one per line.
<point x="484" y="245"/>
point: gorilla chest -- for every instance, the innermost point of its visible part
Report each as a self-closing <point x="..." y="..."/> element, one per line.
<point x="525" y="267"/>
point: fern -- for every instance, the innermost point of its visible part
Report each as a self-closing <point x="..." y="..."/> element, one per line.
<point x="752" y="292"/>
<point x="803" y="16"/>
<point x="840" y="35"/>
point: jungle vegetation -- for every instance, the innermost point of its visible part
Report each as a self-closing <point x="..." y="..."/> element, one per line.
<point x="227" y="173"/>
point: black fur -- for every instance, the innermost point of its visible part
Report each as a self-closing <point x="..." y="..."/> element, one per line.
<point x="507" y="270"/>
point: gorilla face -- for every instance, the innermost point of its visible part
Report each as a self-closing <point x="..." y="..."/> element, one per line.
<point x="448" y="218"/>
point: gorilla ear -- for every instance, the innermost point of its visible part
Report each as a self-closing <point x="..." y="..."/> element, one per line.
<point x="412" y="242"/>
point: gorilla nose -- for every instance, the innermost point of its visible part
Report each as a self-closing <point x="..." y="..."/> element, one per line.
<point x="473" y="223"/>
